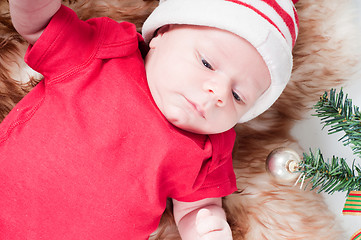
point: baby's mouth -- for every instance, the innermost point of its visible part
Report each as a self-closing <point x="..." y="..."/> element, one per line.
<point x="197" y="108"/>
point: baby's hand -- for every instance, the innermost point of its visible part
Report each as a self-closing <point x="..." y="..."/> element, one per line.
<point x="211" y="227"/>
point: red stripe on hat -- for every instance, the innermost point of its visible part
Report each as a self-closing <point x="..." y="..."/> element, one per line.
<point x="287" y="19"/>
<point x="259" y="12"/>
<point x="296" y="16"/>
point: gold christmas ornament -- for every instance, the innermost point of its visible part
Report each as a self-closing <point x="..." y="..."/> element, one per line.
<point x="283" y="164"/>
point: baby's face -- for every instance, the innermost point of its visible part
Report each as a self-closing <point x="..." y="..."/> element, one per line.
<point x="204" y="79"/>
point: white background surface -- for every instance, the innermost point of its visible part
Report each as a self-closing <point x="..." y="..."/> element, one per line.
<point x="311" y="135"/>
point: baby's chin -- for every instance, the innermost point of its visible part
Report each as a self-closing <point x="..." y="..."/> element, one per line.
<point x="183" y="124"/>
<point x="186" y="126"/>
<point x="182" y="119"/>
<point x="179" y="117"/>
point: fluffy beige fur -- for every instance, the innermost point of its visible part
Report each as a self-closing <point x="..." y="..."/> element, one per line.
<point x="325" y="56"/>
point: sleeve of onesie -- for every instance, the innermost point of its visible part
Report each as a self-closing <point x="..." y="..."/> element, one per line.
<point x="66" y="44"/>
<point x="220" y="179"/>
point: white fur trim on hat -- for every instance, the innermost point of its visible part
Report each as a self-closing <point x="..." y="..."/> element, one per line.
<point x="271" y="26"/>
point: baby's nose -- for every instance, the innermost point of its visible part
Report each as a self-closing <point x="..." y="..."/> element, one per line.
<point x="219" y="99"/>
<point x="219" y="89"/>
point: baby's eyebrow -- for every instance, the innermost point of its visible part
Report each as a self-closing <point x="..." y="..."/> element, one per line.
<point x="219" y="48"/>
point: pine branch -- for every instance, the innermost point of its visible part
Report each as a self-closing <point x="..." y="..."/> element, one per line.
<point x="330" y="177"/>
<point x="341" y="115"/>
<point x="338" y="113"/>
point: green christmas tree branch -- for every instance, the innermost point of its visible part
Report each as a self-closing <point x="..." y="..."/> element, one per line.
<point x="341" y="115"/>
<point x="338" y="113"/>
<point x="330" y="176"/>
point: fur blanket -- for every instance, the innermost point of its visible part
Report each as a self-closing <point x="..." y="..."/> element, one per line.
<point x="324" y="57"/>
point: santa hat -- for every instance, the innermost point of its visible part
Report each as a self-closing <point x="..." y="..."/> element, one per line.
<point x="271" y="26"/>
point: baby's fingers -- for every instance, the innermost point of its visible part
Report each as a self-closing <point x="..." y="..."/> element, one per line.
<point x="211" y="227"/>
<point x="207" y="223"/>
<point x="217" y="235"/>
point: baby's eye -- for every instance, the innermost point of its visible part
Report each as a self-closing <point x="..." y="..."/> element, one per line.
<point x="236" y="96"/>
<point x="206" y="64"/>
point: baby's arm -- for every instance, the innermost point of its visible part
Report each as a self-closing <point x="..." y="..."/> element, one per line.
<point x="201" y="220"/>
<point x="30" y="17"/>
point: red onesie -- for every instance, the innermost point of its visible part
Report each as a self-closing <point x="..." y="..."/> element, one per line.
<point x="87" y="154"/>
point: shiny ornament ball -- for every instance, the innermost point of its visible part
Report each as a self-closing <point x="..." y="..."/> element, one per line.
<point x="282" y="163"/>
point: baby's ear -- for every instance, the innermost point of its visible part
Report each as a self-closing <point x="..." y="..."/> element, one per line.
<point x="159" y="34"/>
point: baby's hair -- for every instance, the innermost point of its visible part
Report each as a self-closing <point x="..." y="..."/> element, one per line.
<point x="11" y="52"/>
